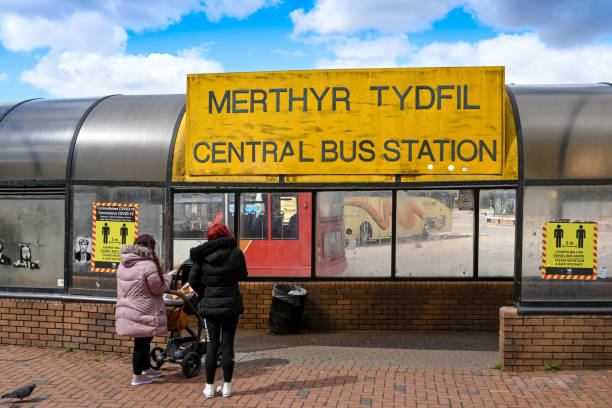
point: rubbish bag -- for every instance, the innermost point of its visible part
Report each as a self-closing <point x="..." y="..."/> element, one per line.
<point x="287" y="308"/>
<point x="292" y="294"/>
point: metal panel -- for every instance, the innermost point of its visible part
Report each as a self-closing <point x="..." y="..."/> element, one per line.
<point x="36" y="136"/>
<point x="127" y="138"/>
<point x="567" y="131"/>
<point x="5" y="107"/>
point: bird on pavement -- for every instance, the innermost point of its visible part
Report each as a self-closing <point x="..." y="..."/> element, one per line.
<point x="20" y="392"/>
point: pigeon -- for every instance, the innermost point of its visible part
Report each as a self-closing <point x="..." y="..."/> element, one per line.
<point x="21" y="392"/>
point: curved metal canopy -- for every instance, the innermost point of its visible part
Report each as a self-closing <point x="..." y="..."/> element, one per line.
<point x="36" y="136"/>
<point x="127" y="138"/>
<point x="566" y="131"/>
<point x="5" y="107"/>
<point x="566" y="134"/>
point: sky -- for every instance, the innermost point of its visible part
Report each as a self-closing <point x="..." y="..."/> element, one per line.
<point x="84" y="48"/>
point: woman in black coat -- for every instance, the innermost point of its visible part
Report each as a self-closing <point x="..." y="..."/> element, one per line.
<point x="218" y="266"/>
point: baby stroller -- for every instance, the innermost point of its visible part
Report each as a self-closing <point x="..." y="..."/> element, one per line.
<point x="188" y="350"/>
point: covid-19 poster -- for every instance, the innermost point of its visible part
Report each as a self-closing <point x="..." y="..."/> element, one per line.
<point x="569" y="250"/>
<point x="114" y="225"/>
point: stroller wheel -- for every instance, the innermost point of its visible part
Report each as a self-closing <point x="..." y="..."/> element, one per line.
<point x="157" y="357"/>
<point x="191" y="364"/>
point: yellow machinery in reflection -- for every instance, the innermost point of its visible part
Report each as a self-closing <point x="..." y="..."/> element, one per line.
<point x="368" y="218"/>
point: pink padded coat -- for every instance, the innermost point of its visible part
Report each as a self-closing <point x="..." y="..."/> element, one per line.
<point x="140" y="310"/>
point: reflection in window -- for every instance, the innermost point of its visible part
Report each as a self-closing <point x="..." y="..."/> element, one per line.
<point x="287" y="250"/>
<point x="354" y="234"/>
<point x="496" y="233"/>
<point x="194" y="213"/>
<point x="150" y="204"/>
<point x="31" y="255"/>
<point x="284" y="221"/>
<point x="331" y="260"/>
<point x="571" y="203"/>
<point x="434" y="236"/>
<point x="253" y="219"/>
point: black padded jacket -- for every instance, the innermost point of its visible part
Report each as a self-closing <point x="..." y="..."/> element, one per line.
<point x="217" y="268"/>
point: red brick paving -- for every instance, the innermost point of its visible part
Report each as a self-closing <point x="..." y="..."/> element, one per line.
<point x="80" y="379"/>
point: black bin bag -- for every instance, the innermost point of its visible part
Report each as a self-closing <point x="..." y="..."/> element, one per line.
<point x="287" y="308"/>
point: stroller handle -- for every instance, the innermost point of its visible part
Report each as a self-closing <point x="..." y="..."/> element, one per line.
<point x="179" y="294"/>
<point x="186" y="301"/>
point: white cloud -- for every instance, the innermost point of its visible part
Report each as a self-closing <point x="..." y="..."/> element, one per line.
<point x="374" y="53"/>
<point x="134" y="15"/>
<point x="101" y="26"/>
<point x="82" y="31"/>
<point x="76" y="73"/>
<point x="3" y="76"/>
<point x="84" y="42"/>
<point x="557" y="22"/>
<point x="350" y="16"/>
<point x="545" y="53"/>
<point x="526" y="58"/>
<point x="216" y="9"/>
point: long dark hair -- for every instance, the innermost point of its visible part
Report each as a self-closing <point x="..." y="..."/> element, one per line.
<point x="148" y="241"/>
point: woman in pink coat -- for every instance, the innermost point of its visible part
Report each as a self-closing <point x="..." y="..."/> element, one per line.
<point x="140" y="311"/>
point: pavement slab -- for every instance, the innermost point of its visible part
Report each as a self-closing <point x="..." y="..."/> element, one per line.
<point x="341" y="369"/>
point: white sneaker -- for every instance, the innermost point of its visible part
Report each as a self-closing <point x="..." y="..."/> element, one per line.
<point x="209" y="391"/>
<point x="225" y="389"/>
<point x="141" y="379"/>
<point x="152" y="373"/>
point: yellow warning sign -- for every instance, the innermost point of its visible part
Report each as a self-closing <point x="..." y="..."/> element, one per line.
<point x="569" y="250"/>
<point x="114" y="225"/>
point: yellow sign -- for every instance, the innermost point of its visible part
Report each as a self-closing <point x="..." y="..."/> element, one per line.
<point x="114" y="225"/>
<point x="375" y="121"/>
<point x="569" y="250"/>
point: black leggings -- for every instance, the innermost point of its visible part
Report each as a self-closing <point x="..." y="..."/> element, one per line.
<point x="223" y="328"/>
<point x="141" y="360"/>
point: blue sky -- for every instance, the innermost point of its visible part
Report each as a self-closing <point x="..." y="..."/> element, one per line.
<point x="77" y="48"/>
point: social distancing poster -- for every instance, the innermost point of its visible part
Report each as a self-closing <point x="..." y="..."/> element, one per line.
<point x="114" y="225"/>
<point x="569" y="250"/>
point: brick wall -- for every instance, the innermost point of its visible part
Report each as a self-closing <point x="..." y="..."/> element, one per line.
<point x="329" y="306"/>
<point x="534" y="341"/>
<point x="62" y="324"/>
<point x="388" y="305"/>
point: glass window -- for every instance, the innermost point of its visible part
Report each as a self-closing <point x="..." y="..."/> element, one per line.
<point x="284" y="222"/>
<point x="288" y="249"/>
<point x="194" y="213"/>
<point x="496" y="228"/>
<point x="32" y="242"/>
<point x="354" y="231"/>
<point x="150" y="221"/>
<point x="435" y="231"/>
<point x="566" y="204"/>
<point x="253" y="216"/>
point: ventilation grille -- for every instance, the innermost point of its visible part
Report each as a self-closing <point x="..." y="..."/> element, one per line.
<point x="8" y="191"/>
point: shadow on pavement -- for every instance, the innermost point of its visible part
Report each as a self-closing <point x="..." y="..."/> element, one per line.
<point x="303" y="386"/>
<point x="249" y="340"/>
<point x="266" y="362"/>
